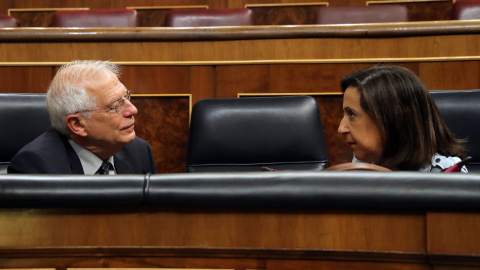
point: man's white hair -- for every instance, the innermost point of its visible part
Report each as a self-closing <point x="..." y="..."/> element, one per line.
<point x="67" y="95"/>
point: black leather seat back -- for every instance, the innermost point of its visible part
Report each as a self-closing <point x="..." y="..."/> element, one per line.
<point x="245" y="134"/>
<point x="461" y="111"/>
<point x="23" y="117"/>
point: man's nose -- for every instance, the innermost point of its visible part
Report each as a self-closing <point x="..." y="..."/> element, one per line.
<point x="130" y="109"/>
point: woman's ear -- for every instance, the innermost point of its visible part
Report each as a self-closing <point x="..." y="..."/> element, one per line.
<point x="75" y="124"/>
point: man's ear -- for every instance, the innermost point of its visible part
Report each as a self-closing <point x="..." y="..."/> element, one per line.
<point x="75" y="124"/>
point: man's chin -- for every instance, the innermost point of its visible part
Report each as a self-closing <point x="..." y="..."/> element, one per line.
<point x="129" y="137"/>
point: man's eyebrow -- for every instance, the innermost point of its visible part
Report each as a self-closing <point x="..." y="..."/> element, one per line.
<point x="115" y="100"/>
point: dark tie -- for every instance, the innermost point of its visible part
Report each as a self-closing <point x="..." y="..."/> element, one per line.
<point x="105" y="168"/>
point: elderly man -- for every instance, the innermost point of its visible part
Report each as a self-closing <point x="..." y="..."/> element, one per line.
<point x="92" y="127"/>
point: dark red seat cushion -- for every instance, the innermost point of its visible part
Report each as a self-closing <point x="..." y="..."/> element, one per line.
<point x="208" y="17"/>
<point x="466" y="10"/>
<point x="361" y="14"/>
<point x="95" y="18"/>
<point x="8" y="21"/>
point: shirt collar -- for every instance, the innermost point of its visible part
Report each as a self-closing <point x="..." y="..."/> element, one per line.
<point x="90" y="161"/>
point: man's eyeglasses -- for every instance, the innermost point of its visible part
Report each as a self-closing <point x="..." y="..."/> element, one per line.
<point x="118" y="105"/>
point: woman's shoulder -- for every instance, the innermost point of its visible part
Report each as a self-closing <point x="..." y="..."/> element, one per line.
<point x="440" y="162"/>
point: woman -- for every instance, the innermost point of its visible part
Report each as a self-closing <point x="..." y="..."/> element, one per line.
<point x="391" y="120"/>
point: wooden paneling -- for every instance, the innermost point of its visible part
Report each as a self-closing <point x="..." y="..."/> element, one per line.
<point x="25" y="79"/>
<point x="155" y="16"/>
<point x="327" y="230"/>
<point x="163" y="122"/>
<point x="266" y="11"/>
<point x="277" y="264"/>
<point x="453" y="233"/>
<point x="238" y="239"/>
<point x="247" y="259"/>
<point x="455" y="75"/>
<point x="216" y="238"/>
<point x="422" y="10"/>
<point x="282" y="78"/>
<point x="285" y="14"/>
<point x="95" y="4"/>
<point x="257" y="51"/>
<point x="148" y="268"/>
<point x="456" y="267"/>
<point x="36" y="17"/>
<point x="165" y="79"/>
<point x="331" y="111"/>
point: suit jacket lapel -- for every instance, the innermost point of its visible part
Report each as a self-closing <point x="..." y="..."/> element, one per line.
<point x="74" y="160"/>
<point x="122" y="166"/>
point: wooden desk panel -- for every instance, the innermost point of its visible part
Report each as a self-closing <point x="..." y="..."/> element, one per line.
<point x="207" y="259"/>
<point x="208" y="238"/>
<point x="237" y="239"/>
<point x="453" y="233"/>
<point x="203" y="228"/>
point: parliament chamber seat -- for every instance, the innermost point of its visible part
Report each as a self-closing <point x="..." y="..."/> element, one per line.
<point x="361" y="14"/>
<point x="466" y="10"/>
<point x="95" y="18"/>
<point x="248" y="134"/>
<point x="23" y="117"/>
<point x="8" y="21"/>
<point x="461" y="112"/>
<point x="209" y="17"/>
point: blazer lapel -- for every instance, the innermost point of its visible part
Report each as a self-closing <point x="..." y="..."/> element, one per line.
<point x="122" y="166"/>
<point x="74" y="160"/>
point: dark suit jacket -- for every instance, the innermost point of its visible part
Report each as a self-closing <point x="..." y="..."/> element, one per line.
<point x="51" y="153"/>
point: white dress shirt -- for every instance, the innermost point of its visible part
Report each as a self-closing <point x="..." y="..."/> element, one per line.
<point x="90" y="162"/>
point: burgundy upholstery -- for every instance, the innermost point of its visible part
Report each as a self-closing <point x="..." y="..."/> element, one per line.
<point x="466" y="10"/>
<point x="95" y="18"/>
<point x="361" y="14"/>
<point x="208" y="17"/>
<point x="8" y="21"/>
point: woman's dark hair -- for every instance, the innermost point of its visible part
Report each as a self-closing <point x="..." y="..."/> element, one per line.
<point x="410" y="124"/>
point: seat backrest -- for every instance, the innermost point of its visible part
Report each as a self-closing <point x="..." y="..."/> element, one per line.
<point x="461" y="111"/>
<point x="209" y="17"/>
<point x="361" y="14"/>
<point x="466" y="10"/>
<point x="8" y="21"/>
<point x="95" y="18"/>
<point x="246" y="134"/>
<point x="23" y="117"/>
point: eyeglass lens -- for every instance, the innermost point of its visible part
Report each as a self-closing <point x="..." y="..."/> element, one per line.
<point x="121" y="103"/>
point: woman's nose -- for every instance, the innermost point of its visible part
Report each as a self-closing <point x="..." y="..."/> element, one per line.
<point x="343" y="127"/>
